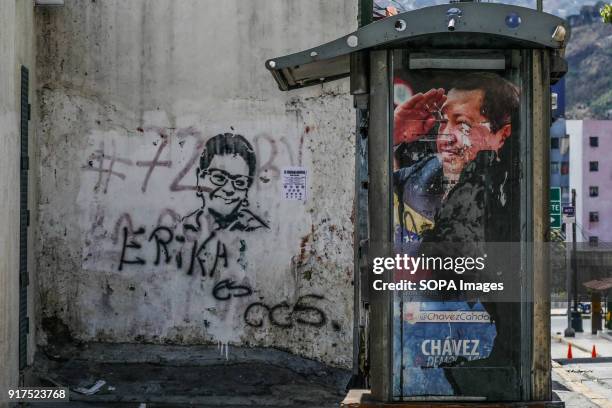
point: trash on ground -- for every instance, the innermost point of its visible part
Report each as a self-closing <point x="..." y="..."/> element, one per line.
<point x="91" y="390"/>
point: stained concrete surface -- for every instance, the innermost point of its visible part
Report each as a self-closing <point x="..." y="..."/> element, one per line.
<point x="165" y="376"/>
<point x="172" y="75"/>
<point x="177" y="376"/>
<point x="17" y="49"/>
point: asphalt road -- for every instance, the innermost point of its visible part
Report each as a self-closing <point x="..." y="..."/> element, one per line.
<point x="559" y="323"/>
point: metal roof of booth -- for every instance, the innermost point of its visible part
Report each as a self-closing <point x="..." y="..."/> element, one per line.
<point x="476" y="25"/>
<point x="602" y="284"/>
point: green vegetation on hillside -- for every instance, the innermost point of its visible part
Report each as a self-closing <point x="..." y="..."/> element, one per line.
<point x="589" y="83"/>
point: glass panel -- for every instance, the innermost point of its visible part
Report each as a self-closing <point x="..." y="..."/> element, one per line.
<point x="554" y="167"/>
<point x="457" y="181"/>
<point x="565" y="195"/>
<point x="564" y="168"/>
<point x="554" y="143"/>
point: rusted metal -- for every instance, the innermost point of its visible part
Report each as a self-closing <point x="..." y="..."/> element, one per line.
<point x="541" y="387"/>
<point x="380" y="203"/>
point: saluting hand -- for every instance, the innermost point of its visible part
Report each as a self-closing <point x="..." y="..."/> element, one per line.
<point x="414" y="118"/>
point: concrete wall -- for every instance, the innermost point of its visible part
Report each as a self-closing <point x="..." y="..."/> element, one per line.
<point x="16" y="49"/>
<point x="130" y="93"/>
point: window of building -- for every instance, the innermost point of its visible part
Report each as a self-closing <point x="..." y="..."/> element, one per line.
<point x="593" y="141"/>
<point x="593" y="191"/>
<point x="593" y="240"/>
<point x="594" y="216"/>
<point x="564" y="167"/>
<point x="564" y="145"/>
<point x="565" y="195"/>
<point x="554" y="143"/>
<point x="554" y="167"/>
<point x="594" y="166"/>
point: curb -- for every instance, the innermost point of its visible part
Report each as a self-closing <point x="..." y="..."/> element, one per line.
<point x="562" y="339"/>
<point x="583" y="360"/>
<point x="604" y="336"/>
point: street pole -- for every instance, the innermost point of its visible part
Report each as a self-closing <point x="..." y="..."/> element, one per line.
<point x="569" y="332"/>
<point x="574" y="258"/>
<point x="576" y="315"/>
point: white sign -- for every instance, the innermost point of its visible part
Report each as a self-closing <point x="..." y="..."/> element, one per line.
<point x="452" y="316"/>
<point x="295" y="183"/>
<point x="569" y="214"/>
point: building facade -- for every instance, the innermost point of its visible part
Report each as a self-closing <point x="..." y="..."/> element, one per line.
<point x="591" y="177"/>
<point x="559" y="146"/>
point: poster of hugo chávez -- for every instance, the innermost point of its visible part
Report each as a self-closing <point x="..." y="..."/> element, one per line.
<point x="456" y="181"/>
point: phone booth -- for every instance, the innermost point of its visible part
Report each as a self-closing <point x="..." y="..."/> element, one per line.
<point x="454" y="104"/>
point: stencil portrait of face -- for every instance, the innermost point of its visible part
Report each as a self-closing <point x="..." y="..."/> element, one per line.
<point x="224" y="178"/>
<point x="224" y="185"/>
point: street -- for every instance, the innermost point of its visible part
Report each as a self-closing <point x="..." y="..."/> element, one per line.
<point x="558" y="324"/>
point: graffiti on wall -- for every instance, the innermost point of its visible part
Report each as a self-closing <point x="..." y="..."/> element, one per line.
<point x="285" y="315"/>
<point x="109" y="165"/>
<point x="224" y="176"/>
<point x="185" y="205"/>
<point x="223" y="170"/>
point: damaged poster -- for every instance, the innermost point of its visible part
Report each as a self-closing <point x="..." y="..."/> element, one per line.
<point x="455" y="180"/>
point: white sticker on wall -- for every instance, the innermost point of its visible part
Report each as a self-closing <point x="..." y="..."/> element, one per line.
<point x="295" y="183"/>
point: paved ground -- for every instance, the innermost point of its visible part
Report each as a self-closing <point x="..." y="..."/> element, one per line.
<point x="147" y="376"/>
<point x="172" y="376"/>
<point x="598" y="377"/>
<point x="587" y="381"/>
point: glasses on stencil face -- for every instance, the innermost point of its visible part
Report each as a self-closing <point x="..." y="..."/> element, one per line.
<point x="220" y="178"/>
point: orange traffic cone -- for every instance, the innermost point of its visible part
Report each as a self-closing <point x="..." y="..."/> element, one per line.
<point x="569" y="351"/>
<point x="593" y="352"/>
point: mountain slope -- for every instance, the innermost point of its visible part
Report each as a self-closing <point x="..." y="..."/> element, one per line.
<point x="589" y="82"/>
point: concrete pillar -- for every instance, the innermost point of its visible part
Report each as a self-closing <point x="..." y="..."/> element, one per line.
<point x="16" y="49"/>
